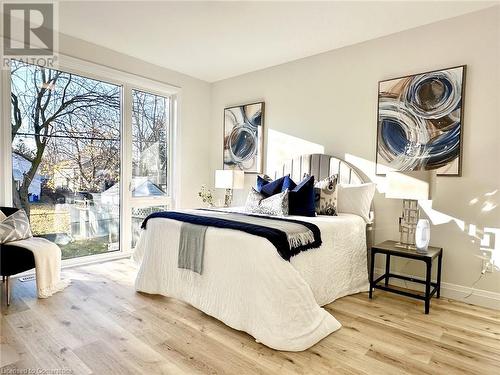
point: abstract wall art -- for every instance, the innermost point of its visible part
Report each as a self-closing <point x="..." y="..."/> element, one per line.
<point x="420" y="122"/>
<point x="243" y="137"/>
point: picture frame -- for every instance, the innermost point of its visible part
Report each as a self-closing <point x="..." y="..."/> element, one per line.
<point x="420" y="122"/>
<point x="243" y="137"/>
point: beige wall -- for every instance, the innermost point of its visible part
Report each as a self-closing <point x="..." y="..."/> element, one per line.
<point x="331" y="99"/>
<point x="194" y="110"/>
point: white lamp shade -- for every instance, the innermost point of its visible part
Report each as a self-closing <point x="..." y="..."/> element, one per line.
<point x="417" y="185"/>
<point x="229" y="179"/>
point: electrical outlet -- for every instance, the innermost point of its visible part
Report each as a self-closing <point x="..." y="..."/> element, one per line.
<point x="487" y="266"/>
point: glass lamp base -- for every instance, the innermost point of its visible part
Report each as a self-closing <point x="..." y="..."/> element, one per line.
<point x="407" y="246"/>
<point x="228" y="197"/>
<point x="421" y="251"/>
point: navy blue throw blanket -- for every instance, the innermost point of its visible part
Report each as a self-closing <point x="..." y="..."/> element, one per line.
<point x="277" y="237"/>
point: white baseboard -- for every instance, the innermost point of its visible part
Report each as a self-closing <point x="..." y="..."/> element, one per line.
<point x="83" y="261"/>
<point x="456" y="292"/>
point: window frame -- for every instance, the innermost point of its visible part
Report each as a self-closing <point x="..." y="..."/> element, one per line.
<point x="128" y="82"/>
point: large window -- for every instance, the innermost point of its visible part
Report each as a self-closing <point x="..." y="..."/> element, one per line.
<point x="149" y="144"/>
<point x="66" y="157"/>
<point x="150" y="155"/>
<point x="68" y="150"/>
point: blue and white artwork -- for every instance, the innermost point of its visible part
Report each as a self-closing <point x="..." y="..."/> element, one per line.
<point x="420" y="122"/>
<point x="243" y="137"/>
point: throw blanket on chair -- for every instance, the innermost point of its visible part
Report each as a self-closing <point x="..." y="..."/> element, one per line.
<point x="47" y="265"/>
<point x="290" y="237"/>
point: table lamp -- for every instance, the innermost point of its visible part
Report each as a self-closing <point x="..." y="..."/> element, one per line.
<point x="411" y="186"/>
<point x="229" y="179"/>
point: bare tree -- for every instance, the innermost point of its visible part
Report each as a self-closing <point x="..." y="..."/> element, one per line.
<point x="150" y="133"/>
<point x="64" y="120"/>
<point x="92" y="147"/>
<point x="43" y="100"/>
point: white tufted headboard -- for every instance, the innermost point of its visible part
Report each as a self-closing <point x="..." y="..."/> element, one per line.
<point x="322" y="166"/>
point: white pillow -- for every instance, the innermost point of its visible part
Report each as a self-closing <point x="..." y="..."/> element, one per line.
<point x="2" y="216"/>
<point x="356" y="199"/>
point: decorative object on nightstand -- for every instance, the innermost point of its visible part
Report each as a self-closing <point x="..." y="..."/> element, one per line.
<point x="422" y="235"/>
<point x="390" y="248"/>
<point x="229" y="179"/>
<point x="206" y="196"/>
<point x="411" y="186"/>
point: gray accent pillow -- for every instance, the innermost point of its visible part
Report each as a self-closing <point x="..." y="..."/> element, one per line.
<point x="325" y="196"/>
<point x="15" y="227"/>
<point x="275" y="205"/>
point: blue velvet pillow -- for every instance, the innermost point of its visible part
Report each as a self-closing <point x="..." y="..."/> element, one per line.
<point x="288" y="184"/>
<point x="273" y="187"/>
<point x="261" y="182"/>
<point x="301" y="198"/>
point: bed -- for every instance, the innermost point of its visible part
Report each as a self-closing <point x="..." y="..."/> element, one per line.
<point x="248" y="286"/>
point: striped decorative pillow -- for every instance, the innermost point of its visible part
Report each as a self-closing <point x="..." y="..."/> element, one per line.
<point x="15" y="227"/>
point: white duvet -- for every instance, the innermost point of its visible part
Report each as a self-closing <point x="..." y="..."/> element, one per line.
<point x="249" y="287"/>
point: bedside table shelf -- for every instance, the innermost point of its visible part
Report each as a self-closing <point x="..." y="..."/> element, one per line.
<point x="389" y="249"/>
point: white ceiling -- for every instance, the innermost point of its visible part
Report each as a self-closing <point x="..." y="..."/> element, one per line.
<point x="217" y="40"/>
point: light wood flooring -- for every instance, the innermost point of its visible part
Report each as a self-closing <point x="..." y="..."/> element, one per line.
<point x="100" y="325"/>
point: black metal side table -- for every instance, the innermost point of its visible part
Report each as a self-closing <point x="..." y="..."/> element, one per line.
<point x="389" y="249"/>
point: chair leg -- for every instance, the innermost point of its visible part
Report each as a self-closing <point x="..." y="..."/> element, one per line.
<point x="7" y="290"/>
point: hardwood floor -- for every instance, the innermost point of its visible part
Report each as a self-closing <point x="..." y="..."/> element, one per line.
<point x="100" y="325"/>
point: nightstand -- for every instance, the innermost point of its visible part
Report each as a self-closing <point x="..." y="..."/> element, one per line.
<point x="389" y="249"/>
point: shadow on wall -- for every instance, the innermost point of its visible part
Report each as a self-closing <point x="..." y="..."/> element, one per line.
<point x="279" y="148"/>
<point x="485" y="240"/>
<point x="282" y="147"/>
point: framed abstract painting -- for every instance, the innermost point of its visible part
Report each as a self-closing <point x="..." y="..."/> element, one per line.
<point x="244" y="137"/>
<point x="420" y="122"/>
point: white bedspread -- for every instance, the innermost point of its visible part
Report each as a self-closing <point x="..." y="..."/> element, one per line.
<point x="249" y="287"/>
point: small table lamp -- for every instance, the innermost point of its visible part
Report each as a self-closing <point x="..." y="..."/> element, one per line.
<point x="411" y="186"/>
<point x="229" y="179"/>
